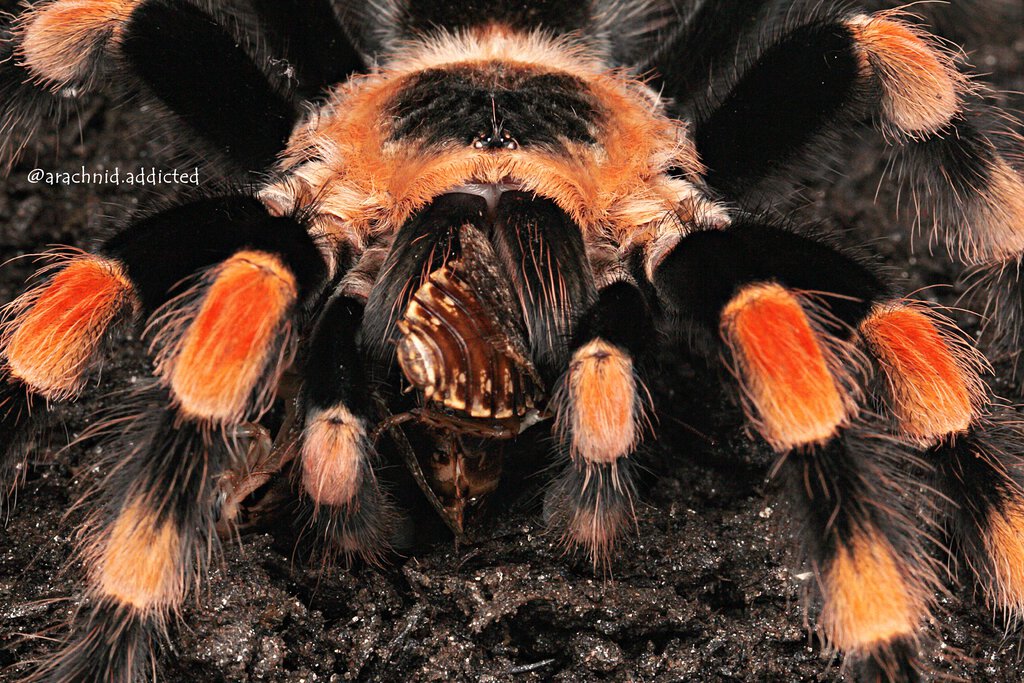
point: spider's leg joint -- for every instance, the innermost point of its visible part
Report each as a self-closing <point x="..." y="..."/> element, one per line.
<point x="54" y="332"/>
<point x="785" y="368"/>
<point x="933" y="378"/>
<point x="920" y="87"/>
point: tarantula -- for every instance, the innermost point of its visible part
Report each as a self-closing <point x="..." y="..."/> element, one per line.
<point x="485" y="205"/>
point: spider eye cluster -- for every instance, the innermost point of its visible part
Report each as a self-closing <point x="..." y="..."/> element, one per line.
<point x="496" y="140"/>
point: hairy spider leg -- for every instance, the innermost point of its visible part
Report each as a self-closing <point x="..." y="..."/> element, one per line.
<point x="781" y="310"/>
<point x="847" y="68"/>
<point x="310" y="36"/>
<point x="53" y="334"/>
<point x="146" y="545"/>
<point x="583" y="342"/>
<point x="223" y="338"/>
<point x="171" y="53"/>
<point x="956" y="152"/>
<point x="349" y="513"/>
<point x="217" y="90"/>
<point x="19" y="426"/>
<point x="51" y="337"/>
<point x="711" y="36"/>
<point x="602" y="412"/>
<point x="979" y="472"/>
<point x="933" y="386"/>
<point x="221" y="282"/>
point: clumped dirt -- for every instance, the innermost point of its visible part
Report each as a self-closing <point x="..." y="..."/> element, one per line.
<point x="704" y="589"/>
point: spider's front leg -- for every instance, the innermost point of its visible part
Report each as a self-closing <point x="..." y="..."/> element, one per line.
<point x="349" y="512"/>
<point x="589" y="326"/>
<point x="795" y="321"/>
<point x="222" y="284"/>
<point x="835" y="71"/>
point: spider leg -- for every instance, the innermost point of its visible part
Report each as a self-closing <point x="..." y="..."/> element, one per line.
<point x="587" y="343"/>
<point x="958" y="153"/>
<point x="221" y="339"/>
<point x="53" y="335"/>
<point x="23" y="106"/>
<point x="979" y="472"/>
<point x="17" y="426"/>
<point x="50" y="339"/>
<point x="601" y="413"/>
<point x="224" y="333"/>
<point x="257" y="268"/>
<point x="224" y="95"/>
<point x="350" y="513"/>
<point x="222" y="343"/>
<point x="845" y="68"/>
<point x="310" y="36"/>
<point x="792" y="318"/>
<point x="146" y="547"/>
<point x="707" y="38"/>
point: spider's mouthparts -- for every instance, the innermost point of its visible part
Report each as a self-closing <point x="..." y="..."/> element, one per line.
<point x="489" y="191"/>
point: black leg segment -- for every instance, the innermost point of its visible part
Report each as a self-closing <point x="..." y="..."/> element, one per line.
<point x="348" y="511"/>
<point x="162" y="250"/>
<point x="196" y="68"/>
<point x="793" y="95"/>
<point x="308" y="34"/>
<point x="753" y="250"/>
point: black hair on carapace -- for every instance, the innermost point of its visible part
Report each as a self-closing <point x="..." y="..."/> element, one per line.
<point x="557" y="16"/>
<point x="461" y="103"/>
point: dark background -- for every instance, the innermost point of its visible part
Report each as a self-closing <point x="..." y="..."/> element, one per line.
<point x="705" y="589"/>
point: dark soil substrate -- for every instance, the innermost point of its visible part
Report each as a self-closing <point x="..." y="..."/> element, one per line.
<point x="704" y="590"/>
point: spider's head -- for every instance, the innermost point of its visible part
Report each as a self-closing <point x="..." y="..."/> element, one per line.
<point x="489" y="107"/>
<point x="495" y="106"/>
